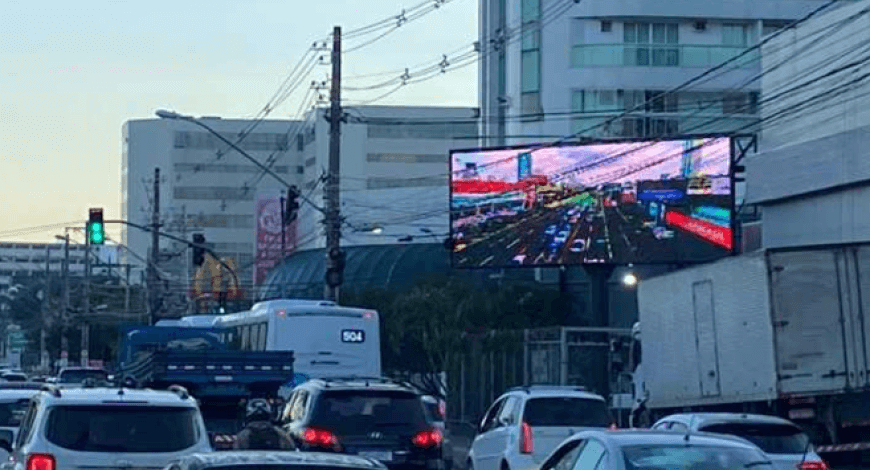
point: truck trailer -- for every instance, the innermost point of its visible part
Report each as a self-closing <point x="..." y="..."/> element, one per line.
<point x="783" y="332"/>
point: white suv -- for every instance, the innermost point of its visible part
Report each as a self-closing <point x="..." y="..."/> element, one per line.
<point x="107" y="428"/>
<point x="525" y="424"/>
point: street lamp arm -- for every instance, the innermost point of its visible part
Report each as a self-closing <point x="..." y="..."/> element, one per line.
<point x="181" y="240"/>
<point x="164" y="114"/>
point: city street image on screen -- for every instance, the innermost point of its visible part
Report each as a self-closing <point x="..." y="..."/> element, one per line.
<point x="630" y="202"/>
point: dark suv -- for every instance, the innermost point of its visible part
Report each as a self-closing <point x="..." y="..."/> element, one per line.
<point x="375" y="418"/>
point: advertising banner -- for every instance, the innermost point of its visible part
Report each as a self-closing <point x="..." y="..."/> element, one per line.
<point x="267" y="210"/>
<point x="614" y="202"/>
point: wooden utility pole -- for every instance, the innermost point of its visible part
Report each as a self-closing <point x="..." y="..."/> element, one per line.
<point x="334" y="264"/>
<point x="153" y="278"/>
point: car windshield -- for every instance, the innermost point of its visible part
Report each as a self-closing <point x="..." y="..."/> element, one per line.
<point x="363" y="411"/>
<point x="123" y="428"/>
<point x="691" y="457"/>
<point x="566" y="411"/>
<point x="79" y="376"/>
<point x="771" y="438"/>
<point x="11" y="412"/>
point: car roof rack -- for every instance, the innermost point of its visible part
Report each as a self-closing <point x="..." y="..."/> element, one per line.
<point x="52" y="389"/>
<point x="365" y="379"/>
<point x="180" y="391"/>
<point x="529" y="388"/>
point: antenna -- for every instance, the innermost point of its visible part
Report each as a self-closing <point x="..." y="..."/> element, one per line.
<point x="689" y="428"/>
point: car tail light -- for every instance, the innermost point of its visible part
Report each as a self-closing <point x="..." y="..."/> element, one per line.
<point x="319" y="437"/>
<point x="426" y="439"/>
<point x="41" y="462"/>
<point x="526" y="439"/>
<point x="808" y="465"/>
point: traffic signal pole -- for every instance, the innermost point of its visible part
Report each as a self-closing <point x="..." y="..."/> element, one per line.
<point x="85" y="328"/>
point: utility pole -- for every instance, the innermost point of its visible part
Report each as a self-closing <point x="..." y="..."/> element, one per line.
<point x="64" y="313"/>
<point x="333" y="217"/>
<point x="86" y="340"/>
<point x="283" y="228"/>
<point x="187" y="264"/>
<point x="153" y="281"/>
<point x="43" y="354"/>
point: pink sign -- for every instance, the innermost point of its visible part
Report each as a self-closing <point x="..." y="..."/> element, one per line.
<point x="267" y="252"/>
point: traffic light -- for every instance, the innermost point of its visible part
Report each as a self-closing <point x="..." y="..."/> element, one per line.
<point x="335" y="268"/>
<point x="291" y="208"/>
<point x="96" y="228"/>
<point x="198" y="249"/>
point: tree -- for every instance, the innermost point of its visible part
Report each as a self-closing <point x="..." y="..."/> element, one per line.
<point x="424" y="329"/>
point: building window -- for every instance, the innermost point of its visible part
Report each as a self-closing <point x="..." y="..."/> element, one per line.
<point x="378" y="182"/>
<point x="530" y="61"/>
<point x="740" y="103"/>
<point x="606" y="26"/>
<point x="404" y="158"/>
<point x="310" y="162"/>
<point x="252" y="142"/>
<point x="422" y="131"/>
<point x="736" y="35"/>
<point x="770" y="27"/>
<point x="651" y="44"/>
<point x="212" y="193"/>
<point x="223" y="168"/>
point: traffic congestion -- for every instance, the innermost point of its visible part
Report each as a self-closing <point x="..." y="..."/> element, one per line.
<point x="214" y="392"/>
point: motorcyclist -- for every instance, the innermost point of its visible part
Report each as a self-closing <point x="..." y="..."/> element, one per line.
<point x="259" y="432"/>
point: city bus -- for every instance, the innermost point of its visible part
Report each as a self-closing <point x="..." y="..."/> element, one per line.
<point x="327" y="340"/>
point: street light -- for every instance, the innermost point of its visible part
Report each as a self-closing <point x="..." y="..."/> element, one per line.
<point x="629" y="279"/>
<point x="164" y="114"/>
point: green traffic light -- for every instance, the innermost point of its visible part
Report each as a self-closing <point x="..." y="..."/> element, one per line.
<point x="97" y="235"/>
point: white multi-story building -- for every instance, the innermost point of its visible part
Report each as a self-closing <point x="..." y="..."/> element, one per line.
<point x="552" y="68"/>
<point x="394" y="169"/>
<point x="394" y="166"/>
<point x="204" y="186"/>
<point x="29" y="258"/>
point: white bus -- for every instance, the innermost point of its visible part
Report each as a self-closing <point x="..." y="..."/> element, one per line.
<point x="328" y="340"/>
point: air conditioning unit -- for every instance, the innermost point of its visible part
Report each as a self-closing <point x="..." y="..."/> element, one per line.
<point x="700" y="25"/>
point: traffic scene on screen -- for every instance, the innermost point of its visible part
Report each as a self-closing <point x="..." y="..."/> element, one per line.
<point x="628" y="202"/>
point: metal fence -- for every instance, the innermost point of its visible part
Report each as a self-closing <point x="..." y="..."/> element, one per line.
<point x="494" y="361"/>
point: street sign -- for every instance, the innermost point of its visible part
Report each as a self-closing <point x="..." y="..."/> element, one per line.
<point x="16" y="340"/>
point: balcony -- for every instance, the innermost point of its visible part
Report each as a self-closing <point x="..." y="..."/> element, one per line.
<point x="661" y="55"/>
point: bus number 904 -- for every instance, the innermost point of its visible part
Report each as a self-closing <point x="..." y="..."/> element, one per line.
<point x="353" y="336"/>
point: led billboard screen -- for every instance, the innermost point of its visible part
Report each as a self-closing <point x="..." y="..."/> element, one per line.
<point x="615" y="202"/>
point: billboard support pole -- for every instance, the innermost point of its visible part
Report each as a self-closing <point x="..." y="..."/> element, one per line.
<point x="599" y="277"/>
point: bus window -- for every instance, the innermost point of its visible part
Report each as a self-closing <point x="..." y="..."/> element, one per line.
<point x="265" y="335"/>
<point x="246" y="338"/>
<point x="261" y="337"/>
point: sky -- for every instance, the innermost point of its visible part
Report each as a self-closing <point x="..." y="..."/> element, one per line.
<point x="73" y="72"/>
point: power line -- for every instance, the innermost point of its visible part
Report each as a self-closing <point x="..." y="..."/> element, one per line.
<point x="463" y="59"/>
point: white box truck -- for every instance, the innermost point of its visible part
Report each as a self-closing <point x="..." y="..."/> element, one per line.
<point x="783" y="332"/>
